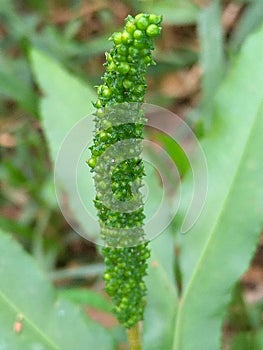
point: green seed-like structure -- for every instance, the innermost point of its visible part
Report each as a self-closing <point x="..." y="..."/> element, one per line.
<point x="125" y="250"/>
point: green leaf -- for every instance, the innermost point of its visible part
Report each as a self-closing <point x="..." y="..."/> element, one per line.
<point x="86" y="297"/>
<point x="95" y="47"/>
<point x="259" y="338"/>
<point x="250" y="21"/>
<point x="211" y="57"/>
<point x="66" y="100"/>
<point x="218" y="249"/>
<point x="15" y="86"/>
<point x="245" y="341"/>
<point x="175" y="152"/>
<point x="248" y="340"/>
<point x="27" y="298"/>
<point x="177" y="12"/>
<point x="172" y="60"/>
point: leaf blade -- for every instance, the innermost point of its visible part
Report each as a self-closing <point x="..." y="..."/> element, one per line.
<point x="65" y="102"/>
<point x="233" y="208"/>
<point x="211" y="57"/>
<point x="27" y="297"/>
<point x="251" y="20"/>
<point x="66" y="99"/>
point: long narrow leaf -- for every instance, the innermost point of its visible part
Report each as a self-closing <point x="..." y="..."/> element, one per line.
<point x="218" y="249"/>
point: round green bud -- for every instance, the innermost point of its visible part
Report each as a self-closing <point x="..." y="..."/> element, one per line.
<point x="125" y="300"/>
<point x="106" y="92"/>
<point x="133" y="71"/>
<point x="147" y="255"/>
<point x="147" y="59"/>
<point x="95" y="152"/>
<point x="103" y="135"/>
<point x="153" y="30"/>
<point x="130" y="59"/>
<point x="139" y="89"/>
<point x="126" y="37"/>
<point x="133" y="51"/>
<point x="144" y="52"/>
<point x="107" y="276"/>
<point x="106" y="124"/>
<point x="115" y="186"/>
<point x="98" y="104"/>
<point x="139" y="44"/>
<point x="127" y="84"/>
<point x="120" y="58"/>
<point x="102" y="185"/>
<point x="92" y="162"/>
<point x="139" y="16"/>
<point x="154" y="19"/>
<point x="117" y="38"/>
<point x="122" y="49"/>
<point x="130" y="27"/>
<point x="100" y="113"/>
<point x="138" y="34"/>
<point x="135" y="98"/>
<point x="111" y="67"/>
<point x="123" y="68"/>
<point x="141" y="21"/>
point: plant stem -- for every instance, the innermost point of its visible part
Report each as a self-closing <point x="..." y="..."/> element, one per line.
<point x="87" y="271"/>
<point x="134" y="337"/>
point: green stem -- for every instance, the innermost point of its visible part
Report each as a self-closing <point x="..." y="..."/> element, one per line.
<point x="38" y="239"/>
<point x="134" y="337"/>
<point x="87" y="272"/>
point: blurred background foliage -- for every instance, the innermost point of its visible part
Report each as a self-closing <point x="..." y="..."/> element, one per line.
<point x="200" y="40"/>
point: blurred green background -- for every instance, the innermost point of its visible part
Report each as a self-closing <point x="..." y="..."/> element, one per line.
<point x="200" y="40"/>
